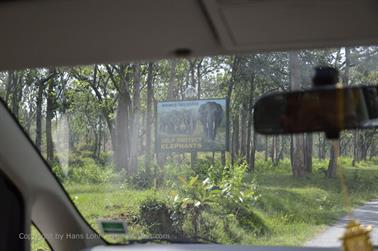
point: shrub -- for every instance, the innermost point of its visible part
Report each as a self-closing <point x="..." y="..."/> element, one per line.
<point x="157" y="217"/>
<point x="319" y="165"/>
<point x="90" y="173"/>
<point x="168" y="175"/>
<point x="251" y="221"/>
<point x="141" y="180"/>
<point x="261" y="164"/>
<point x="58" y="171"/>
<point x="226" y="191"/>
<point x="345" y="161"/>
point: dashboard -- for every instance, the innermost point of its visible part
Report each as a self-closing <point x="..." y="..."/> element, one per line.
<point x="203" y="247"/>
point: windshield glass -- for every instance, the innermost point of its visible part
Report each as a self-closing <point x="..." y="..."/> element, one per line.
<point x="166" y="149"/>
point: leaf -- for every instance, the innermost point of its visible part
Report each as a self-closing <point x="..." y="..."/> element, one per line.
<point x="176" y="198"/>
<point x="206" y="181"/>
<point x="182" y="179"/>
<point x="193" y="180"/>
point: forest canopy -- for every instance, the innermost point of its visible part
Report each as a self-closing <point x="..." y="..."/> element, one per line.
<point x="108" y="109"/>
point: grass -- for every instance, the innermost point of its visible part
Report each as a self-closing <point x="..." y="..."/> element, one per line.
<point x="294" y="209"/>
<point x="299" y="208"/>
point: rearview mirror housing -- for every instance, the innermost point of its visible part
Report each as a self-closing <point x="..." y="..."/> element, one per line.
<point x="328" y="110"/>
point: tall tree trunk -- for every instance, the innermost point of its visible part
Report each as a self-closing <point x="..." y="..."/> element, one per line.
<point x="223" y="158"/>
<point x="100" y="137"/>
<point x="49" y="117"/>
<point x="252" y="157"/>
<point x="172" y="79"/>
<point x="121" y="151"/>
<point x="273" y="153"/>
<point x="347" y="67"/>
<point x="298" y="162"/>
<point x="230" y="87"/>
<point x="9" y="86"/>
<point x="282" y="149"/>
<point x="235" y="138"/>
<point x="298" y="165"/>
<point x="335" y="145"/>
<point x="16" y="93"/>
<point x="251" y="142"/>
<point x="39" y="103"/>
<point x="324" y="141"/>
<point x="277" y="150"/>
<point x="243" y="131"/>
<point x="149" y="121"/>
<point x="199" y="79"/>
<point x="135" y="139"/>
<point x="346" y="83"/>
<point x="320" y="144"/>
<point x="308" y="152"/>
<point x="96" y="139"/>
<point x="193" y="154"/>
<point x="332" y="165"/>
<point x="38" y="119"/>
<point x="121" y="136"/>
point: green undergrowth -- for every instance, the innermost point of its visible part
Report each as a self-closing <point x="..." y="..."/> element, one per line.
<point x="277" y="210"/>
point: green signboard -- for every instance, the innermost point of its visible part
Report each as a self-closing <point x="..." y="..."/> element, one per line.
<point x="112" y="226"/>
<point x="192" y="125"/>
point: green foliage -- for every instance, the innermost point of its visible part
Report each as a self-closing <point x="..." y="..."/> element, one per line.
<point x="226" y="191"/>
<point x="320" y="166"/>
<point x="141" y="179"/>
<point x="191" y="201"/>
<point x="289" y="212"/>
<point x="156" y="216"/>
<point x="345" y="161"/>
<point x="261" y="164"/>
<point x="169" y="174"/>
<point x="89" y="172"/>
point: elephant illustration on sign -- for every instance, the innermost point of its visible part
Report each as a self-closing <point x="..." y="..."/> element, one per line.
<point x="211" y="115"/>
<point x="178" y="122"/>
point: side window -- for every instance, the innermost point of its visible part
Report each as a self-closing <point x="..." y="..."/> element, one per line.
<point x="38" y="243"/>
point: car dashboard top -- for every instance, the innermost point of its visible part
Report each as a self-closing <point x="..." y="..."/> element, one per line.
<point x="205" y="247"/>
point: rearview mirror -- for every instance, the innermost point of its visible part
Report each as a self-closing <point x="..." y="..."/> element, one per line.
<point x="329" y="110"/>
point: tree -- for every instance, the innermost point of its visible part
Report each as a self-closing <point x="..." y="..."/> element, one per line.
<point x="49" y="116"/>
<point x="251" y="135"/>
<point x="297" y="145"/>
<point x="40" y="83"/>
<point x="109" y="107"/>
<point x="134" y="133"/>
<point x="149" y="118"/>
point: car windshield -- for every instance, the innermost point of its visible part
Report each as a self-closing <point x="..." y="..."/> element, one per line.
<point x="166" y="150"/>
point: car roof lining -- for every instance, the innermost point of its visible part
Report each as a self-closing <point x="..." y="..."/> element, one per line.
<point x="50" y="33"/>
